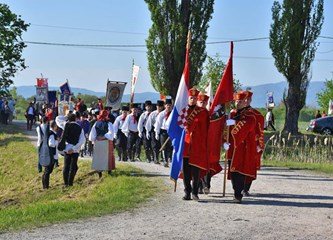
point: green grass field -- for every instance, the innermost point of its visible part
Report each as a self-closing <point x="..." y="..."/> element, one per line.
<point x="24" y="204"/>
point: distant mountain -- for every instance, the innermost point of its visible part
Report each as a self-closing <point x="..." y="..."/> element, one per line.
<point x="258" y="100"/>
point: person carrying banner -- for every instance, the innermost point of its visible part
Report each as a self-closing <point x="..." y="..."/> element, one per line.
<point x="143" y="132"/>
<point x="102" y="135"/>
<point x="150" y="126"/>
<point x="130" y="129"/>
<point x="270" y="119"/>
<point x="195" y="147"/>
<point x="242" y="148"/>
<point x="121" y="139"/>
<point x="161" y="130"/>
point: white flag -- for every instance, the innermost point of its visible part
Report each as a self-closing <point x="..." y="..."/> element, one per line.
<point x="209" y="92"/>
<point x="135" y="73"/>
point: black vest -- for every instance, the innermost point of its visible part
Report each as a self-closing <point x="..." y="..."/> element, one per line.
<point x="73" y="133"/>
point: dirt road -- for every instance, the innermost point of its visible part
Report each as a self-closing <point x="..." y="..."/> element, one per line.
<point x="284" y="204"/>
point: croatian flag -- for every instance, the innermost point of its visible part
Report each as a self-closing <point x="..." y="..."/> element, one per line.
<point x="178" y="120"/>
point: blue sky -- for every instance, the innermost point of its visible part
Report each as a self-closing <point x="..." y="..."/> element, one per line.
<point x="127" y="22"/>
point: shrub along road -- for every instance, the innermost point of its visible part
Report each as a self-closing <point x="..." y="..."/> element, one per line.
<point x="284" y="204"/>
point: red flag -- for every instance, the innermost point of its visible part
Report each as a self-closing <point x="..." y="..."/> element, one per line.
<point x="224" y="94"/>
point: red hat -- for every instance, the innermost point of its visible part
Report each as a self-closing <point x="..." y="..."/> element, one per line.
<point x="242" y="95"/>
<point x="203" y="97"/>
<point x="193" y="92"/>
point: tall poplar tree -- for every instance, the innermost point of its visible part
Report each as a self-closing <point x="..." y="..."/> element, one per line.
<point x="11" y="46"/>
<point x="166" y="43"/>
<point x="295" y="28"/>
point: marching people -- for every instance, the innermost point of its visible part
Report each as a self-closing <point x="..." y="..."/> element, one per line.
<point x="121" y="139"/>
<point x="204" y="183"/>
<point x="30" y="114"/>
<point x="53" y="142"/>
<point x="270" y="119"/>
<point x="101" y="135"/>
<point x="242" y="146"/>
<point x="130" y="129"/>
<point x="161" y="130"/>
<point x="259" y="129"/>
<point x="194" y="155"/>
<point x="143" y="132"/>
<point x="46" y="151"/>
<point x="72" y="138"/>
<point x="150" y="126"/>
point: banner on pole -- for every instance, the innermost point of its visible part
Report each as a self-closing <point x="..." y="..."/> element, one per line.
<point x="41" y="94"/>
<point x="42" y="82"/>
<point x="65" y="89"/>
<point x="135" y="74"/>
<point x="270" y="101"/>
<point x="114" y="94"/>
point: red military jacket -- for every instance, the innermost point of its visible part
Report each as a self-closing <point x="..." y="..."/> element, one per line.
<point x="195" y="146"/>
<point x="260" y="120"/>
<point x="243" y="146"/>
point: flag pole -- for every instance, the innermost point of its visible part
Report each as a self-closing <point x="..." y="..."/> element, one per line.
<point x="132" y="93"/>
<point x="226" y="154"/>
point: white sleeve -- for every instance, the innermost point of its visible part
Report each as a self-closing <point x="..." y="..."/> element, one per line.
<point x="93" y="134"/>
<point x="39" y="138"/>
<point x="109" y="135"/>
<point x="149" y="122"/>
<point x="52" y="141"/>
<point x="158" y="123"/>
<point x="140" y="123"/>
<point x="77" y="147"/>
<point x="125" y="127"/>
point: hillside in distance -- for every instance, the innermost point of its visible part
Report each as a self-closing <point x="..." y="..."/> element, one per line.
<point x="258" y="99"/>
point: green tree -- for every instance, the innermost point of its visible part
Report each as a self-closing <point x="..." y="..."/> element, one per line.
<point x="213" y="71"/>
<point x="295" y="28"/>
<point x="324" y="97"/>
<point x="166" y="43"/>
<point x="11" y="46"/>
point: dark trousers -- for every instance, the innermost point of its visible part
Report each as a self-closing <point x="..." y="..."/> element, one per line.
<point x="147" y="146"/>
<point x="46" y="175"/>
<point x="121" y="146"/>
<point x="30" y="120"/>
<point x="70" y="168"/>
<point x="238" y="181"/>
<point x="190" y="173"/>
<point x="168" y="149"/>
<point x="155" y="145"/>
<point x="131" y="144"/>
<point x="270" y="124"/>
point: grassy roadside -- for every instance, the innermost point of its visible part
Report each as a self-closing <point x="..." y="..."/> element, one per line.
<point x="24" y="204"/>
<point x="317" y="167"/>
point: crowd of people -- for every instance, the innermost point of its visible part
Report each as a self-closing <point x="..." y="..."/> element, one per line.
<point x="7" y="110"/>
<point x="97" y="131"/>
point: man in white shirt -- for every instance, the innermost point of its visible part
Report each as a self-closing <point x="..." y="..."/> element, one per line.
<point x="143" y="132"/>
<point x="130" y="129"/>
<point x="150" y="127"/>
<point x="121" y="139"/>
<point x="161" y="130"/>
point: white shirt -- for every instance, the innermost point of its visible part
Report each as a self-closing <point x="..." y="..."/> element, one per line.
<point x="268" y="116"/>
<point x="142" y="121"/>
<point x="118" y="123"/>
<point x="54" y="143"/>
<point x="161" y="122"/>
<point x="109" y="135"/>
<point x="77" y="147"/>
<point x="129" y="124"/>
<point x="151" y="120"/>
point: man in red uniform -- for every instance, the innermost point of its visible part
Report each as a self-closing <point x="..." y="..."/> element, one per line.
<point x="241" y="149"/>
<point x="260" y="120"/>
<point x="194" y="156"/>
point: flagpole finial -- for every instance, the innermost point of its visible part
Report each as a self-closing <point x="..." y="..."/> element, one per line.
<point x="188" y="40"/>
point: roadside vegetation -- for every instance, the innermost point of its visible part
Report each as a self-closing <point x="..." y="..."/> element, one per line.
<point x="24" y="204"/>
